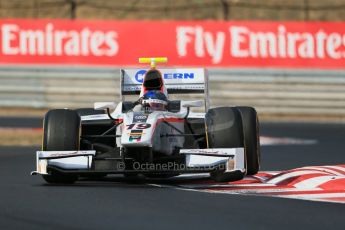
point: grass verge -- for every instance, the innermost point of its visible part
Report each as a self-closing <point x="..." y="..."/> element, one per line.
<point x="20" y="137"/>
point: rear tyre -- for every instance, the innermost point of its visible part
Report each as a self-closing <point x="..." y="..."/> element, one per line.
<point x="251" y="139"/>
<point x="61" y="132"/>
<point x="224" y="130"/>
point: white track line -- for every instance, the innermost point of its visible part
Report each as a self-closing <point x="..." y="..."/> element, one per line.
<point x="325" y="170"/>
<point x="293" y="174"/>
<point x="342" y="169"/>
<point x="315" y="181"/>
<point x="206" y="186"/>
<point x="317" y="196"/>
<point x="262" y="191"/>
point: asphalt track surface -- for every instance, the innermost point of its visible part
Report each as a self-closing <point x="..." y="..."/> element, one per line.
<point x="26" y="202"/>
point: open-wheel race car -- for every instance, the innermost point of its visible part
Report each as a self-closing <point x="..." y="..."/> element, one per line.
<point x="152" y="135"/>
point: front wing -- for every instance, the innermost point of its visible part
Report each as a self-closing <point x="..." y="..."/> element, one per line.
<point x="196" y="161"/>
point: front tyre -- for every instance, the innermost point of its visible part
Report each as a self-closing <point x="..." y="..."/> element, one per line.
<point x="251" y="139"/>
<point x="61" y="132"/>
<point x="224" y="130"/>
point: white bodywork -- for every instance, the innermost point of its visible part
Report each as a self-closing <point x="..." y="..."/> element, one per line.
<point x="153" y="127"/>
<point x="233" y="159"/>
<point x="71" y="160"/>
<point x="176" y="81"/>
<point x="148" y="130"/>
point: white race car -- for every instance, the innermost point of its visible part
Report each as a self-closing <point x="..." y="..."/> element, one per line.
<point x="152" y="136"/>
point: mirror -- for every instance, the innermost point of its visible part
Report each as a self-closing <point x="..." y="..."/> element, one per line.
<point x="104" y="105"/>
<point x="187" y="104"/>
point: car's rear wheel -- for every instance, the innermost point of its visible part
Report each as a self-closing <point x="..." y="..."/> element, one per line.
<point x="251" y="139"/>
<point x="224" y="130"/>
<point x="61" y="132"/>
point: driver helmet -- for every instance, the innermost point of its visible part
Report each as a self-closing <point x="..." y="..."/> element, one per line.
<point x="155" y="100"/>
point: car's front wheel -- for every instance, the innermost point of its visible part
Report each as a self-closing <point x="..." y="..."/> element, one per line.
<point x="61" y="132"/>
<point x="251" y="139"/>
<point x="224" y="130"/>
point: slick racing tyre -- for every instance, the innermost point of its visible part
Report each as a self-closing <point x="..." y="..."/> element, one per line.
<point x="224" y="130"/>
<point x="251" y="139"/>
<point x="61" y="132"/>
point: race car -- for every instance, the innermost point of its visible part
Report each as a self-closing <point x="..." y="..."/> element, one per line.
<point x="151" y="135"/>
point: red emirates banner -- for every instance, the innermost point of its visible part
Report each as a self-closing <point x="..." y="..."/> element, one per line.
<point x="185" y="43"/>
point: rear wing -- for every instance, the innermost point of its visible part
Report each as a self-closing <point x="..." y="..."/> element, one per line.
<point x="176" y="81"/>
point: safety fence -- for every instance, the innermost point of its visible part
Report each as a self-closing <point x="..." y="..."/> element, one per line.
<point x="270" y="91"/>
<point x="319" y="10"/>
